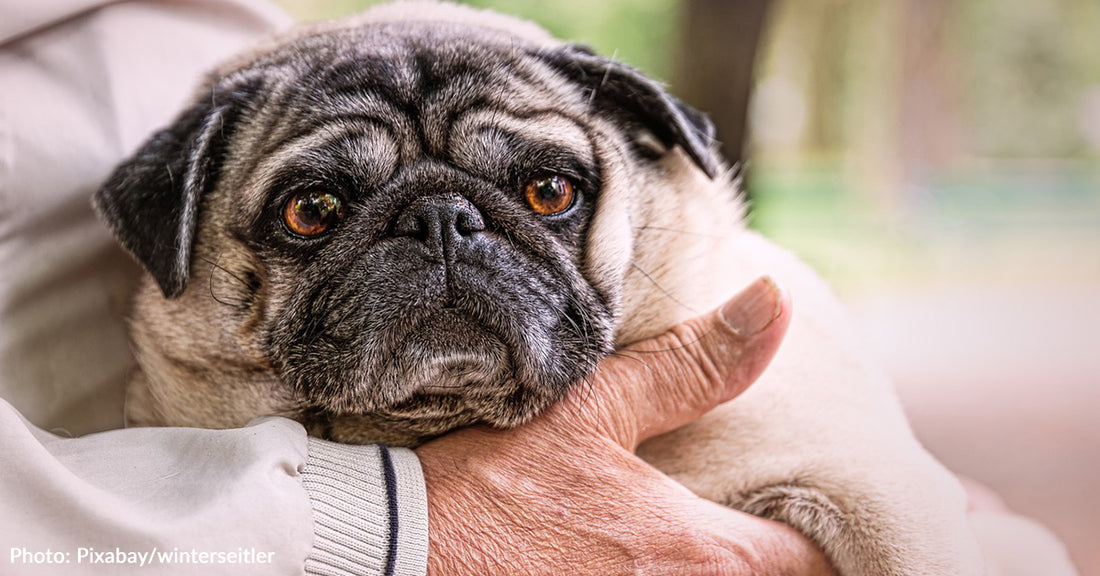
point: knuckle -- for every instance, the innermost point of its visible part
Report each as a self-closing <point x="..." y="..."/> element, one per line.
<point x="698" y="550"/>
<point x="712" y="557"/>
<point x="701" y="361"/>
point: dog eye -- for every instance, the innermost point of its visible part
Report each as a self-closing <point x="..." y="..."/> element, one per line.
<point x="549" y="196"/>
<point x="311" y="213"/>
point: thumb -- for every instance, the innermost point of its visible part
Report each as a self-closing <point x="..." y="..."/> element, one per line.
<point x="660" y="384"/>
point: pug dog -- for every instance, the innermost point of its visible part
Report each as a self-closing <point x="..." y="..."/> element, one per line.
<point x="429" y="216"/>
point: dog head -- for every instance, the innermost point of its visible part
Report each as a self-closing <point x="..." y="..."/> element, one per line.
<point x="391" y="226"/>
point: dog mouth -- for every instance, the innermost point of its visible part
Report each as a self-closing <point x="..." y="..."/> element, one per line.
<point x="445" y="368"/>
<point x="429" y="356"/>
<point x="447" y="353"/>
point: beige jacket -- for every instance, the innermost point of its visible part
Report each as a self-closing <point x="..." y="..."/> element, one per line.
<point x="82" y="84"/>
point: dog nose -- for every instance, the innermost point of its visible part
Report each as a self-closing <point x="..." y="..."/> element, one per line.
<point x="440" y="222"/>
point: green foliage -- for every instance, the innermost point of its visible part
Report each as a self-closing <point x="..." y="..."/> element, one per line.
<point x="639" y="32"/>
<point x="1024" y="68"/>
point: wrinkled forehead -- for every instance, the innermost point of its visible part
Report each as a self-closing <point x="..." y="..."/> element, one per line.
<point x="418" y="83"/>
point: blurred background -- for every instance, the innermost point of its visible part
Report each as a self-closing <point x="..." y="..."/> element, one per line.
<point x="939" y="162"/>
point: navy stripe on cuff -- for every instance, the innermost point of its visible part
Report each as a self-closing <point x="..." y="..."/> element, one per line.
<point x="391" y="493"/>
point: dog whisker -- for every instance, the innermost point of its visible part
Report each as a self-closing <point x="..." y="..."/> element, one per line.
<point x="663" y="290"/>
<point x="649" y="228"/>
<point x="215" y="265"/>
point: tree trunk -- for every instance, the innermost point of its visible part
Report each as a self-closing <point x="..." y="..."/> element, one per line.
<point x="715" y="64"/>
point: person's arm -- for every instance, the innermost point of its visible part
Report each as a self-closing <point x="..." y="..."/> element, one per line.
<point x="188" y="501"/>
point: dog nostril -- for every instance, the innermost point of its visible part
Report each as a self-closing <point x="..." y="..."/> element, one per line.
<point x="468" y="220"/>
<point x="412" y="223"/>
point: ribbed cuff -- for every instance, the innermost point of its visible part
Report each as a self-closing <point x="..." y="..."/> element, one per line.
<point x="370" y="510"/>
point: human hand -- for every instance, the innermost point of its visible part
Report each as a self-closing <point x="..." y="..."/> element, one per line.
<point x="565" y="494"/>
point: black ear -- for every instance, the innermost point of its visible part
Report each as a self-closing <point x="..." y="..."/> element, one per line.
<point x="672" y="121"/>
<point x="151" y="202"/>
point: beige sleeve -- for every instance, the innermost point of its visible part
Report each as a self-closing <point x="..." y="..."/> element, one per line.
<point x="82" y="84"/>
<point x="153" y="500"/>
<point x="190" y="501"/>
